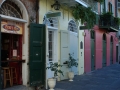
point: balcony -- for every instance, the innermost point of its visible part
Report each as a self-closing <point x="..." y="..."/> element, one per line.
<point x="110" y="23"/>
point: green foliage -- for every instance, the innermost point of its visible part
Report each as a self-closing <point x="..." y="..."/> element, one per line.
<point x="117" y="20"/>
<point x="54" y="67"/>
<point x="85" y="15"/>
<point x="109" y="16"/>
<point x="72" y="62"/>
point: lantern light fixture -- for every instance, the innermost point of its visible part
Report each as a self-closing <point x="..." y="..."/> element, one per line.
<point x="56" y="5"/>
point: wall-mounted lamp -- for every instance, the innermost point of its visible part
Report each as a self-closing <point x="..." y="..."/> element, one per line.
<point x="56" y="5"/>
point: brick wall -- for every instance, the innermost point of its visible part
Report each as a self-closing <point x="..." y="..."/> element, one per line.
<point x="30" y="6"/>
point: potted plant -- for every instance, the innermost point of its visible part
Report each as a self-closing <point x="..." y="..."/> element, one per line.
<point x="54" y="67"/>
<point x="106" y="18"/>
<point x="72" y="62"/>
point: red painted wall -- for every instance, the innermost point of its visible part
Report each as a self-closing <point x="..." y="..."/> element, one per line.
<point x="98" y="48"/>
<point x="87" y="52"/>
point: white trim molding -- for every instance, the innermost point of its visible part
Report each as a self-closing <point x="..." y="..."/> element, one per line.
<point x="82" y="2"/>
<point x="13" y="18"/>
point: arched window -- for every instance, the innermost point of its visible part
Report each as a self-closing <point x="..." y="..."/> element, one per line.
<point x="92" y="35"/>
<point x="111" y="39"/>
<point x="104" y="37"/>
<point x="9" y="8"/>
<point x="72" y="26"/>
<point x="53" y="21"/>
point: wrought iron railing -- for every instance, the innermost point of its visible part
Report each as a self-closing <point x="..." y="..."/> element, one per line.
<point x="107" y="22"/>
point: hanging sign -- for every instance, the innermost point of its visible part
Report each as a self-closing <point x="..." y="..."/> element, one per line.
<point x="55" y="14"/>
<point x="11" y="27"/>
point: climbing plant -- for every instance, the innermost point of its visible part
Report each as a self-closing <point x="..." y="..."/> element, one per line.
<point x="85" y="15"/>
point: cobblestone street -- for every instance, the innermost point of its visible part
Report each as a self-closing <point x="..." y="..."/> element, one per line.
<point x="107" y="78"/>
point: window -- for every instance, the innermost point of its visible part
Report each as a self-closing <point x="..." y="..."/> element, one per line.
<point x="109" y="7"/>
<point x="72" y="26"/>
<point x="9" y="8"/>
<point x="104" y="36"/>
<point x="102" y="7"/>
<point x="92" y="35"/>
<point x="51" y="45"/>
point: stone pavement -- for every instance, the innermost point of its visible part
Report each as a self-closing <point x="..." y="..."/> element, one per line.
<point x="107" y="78"/>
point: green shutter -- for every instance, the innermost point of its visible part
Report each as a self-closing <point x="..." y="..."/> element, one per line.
<point x="111" y="52"/>
<point x="64" y="53"/>
<point x="37" y="56"/>
<point x="0" y="57"/>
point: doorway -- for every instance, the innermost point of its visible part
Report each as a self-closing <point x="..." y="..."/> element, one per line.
<point x="73" y="41"/>
<point x="92" y="50"/>
<point x="104" y="51"/>
<point x="11" y="52"/>
<point x="116" y="53"/>
<point x="111" y="50"/>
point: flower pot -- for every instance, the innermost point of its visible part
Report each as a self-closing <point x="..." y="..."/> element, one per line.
<point x="71" y="76"/>
<point x="51" y="83"/>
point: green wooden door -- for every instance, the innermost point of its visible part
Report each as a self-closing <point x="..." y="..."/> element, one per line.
<point x="116" y="53"/>
<point x="111" y="52"/>
<point x="92" y="54"/>
<point x="92" y="50"/>
<point x="0" y="57"/>
<point x="104" y="54"/>
<point x="37" y="52"/>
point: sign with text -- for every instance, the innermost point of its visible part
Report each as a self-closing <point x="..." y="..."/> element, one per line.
<point x="11" y="27"/>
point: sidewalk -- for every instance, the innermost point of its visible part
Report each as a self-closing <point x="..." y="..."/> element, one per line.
<point x="107" y="78"/>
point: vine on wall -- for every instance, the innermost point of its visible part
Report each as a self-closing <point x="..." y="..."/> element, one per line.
<point x="85" y="15"/>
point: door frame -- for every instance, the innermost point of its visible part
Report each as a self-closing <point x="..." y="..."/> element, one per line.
<point x="104" y="40"/>
<point x="47" y="49"/>
<point x="111" y="51"/>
